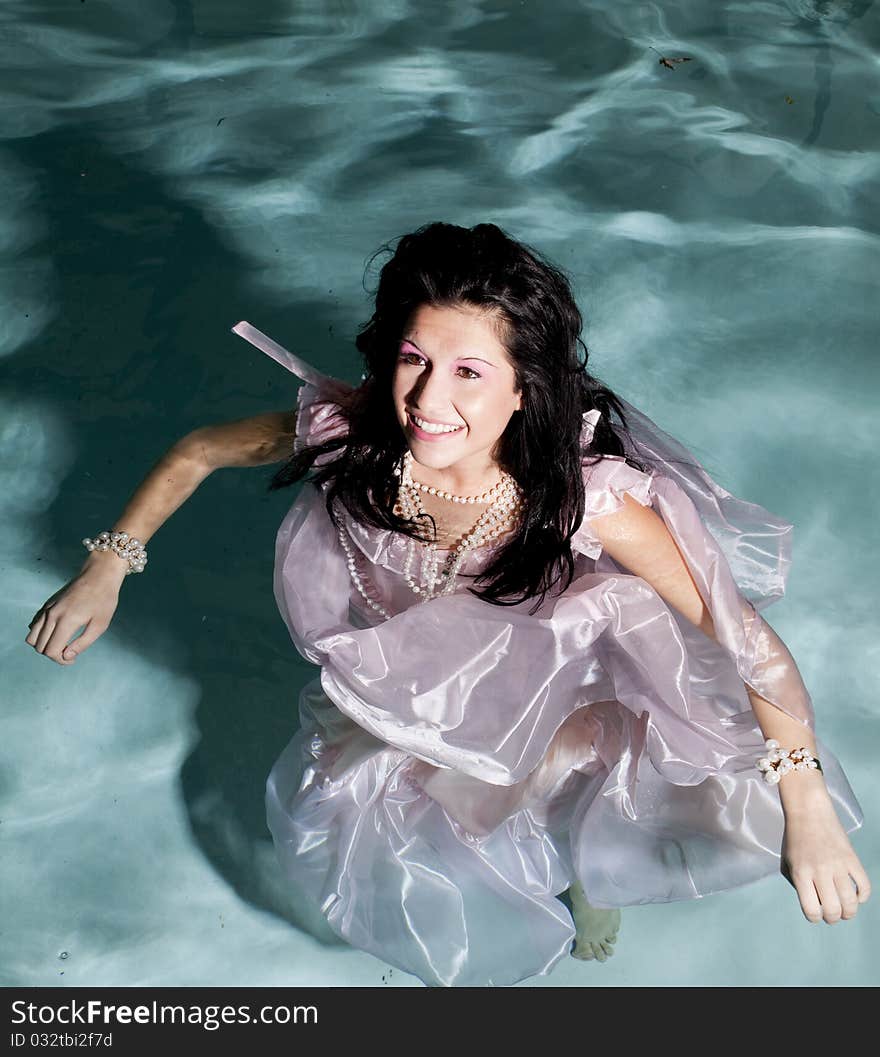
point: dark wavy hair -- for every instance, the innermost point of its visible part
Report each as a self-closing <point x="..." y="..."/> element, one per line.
<point x="539" y="324"/>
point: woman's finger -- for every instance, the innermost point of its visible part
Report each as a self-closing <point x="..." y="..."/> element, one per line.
<point x="45" y="633"/>
<point x="94" y="629"/>
<point x="857" y="872"/>
<point x="846" y="893"/>
<point x="809" y="898"/>
<point x="831" y="909"/>
<point x="36" y="626"/>
<point x="63" y="632"/>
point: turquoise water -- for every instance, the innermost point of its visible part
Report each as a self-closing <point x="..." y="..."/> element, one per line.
<point x="169" y="169"/>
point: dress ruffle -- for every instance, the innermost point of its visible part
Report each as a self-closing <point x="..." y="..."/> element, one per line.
<point x="460" y="764"/>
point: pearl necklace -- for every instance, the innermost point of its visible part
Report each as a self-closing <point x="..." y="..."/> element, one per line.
<point x="358" y="579"/>
<point x="506" y="501"/>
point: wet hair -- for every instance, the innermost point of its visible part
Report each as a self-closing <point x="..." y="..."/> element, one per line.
<point x="537" y="321"/>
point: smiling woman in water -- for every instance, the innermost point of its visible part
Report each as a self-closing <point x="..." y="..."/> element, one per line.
<point x="547" y="690"/>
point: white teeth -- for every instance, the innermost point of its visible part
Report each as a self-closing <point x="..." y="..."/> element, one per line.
<point x="429" y="427"/>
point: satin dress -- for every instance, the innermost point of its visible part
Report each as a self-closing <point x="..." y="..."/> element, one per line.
<point x="459" y="765"/>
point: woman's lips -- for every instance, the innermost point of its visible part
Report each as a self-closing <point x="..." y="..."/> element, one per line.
<point x="422" y="435"/>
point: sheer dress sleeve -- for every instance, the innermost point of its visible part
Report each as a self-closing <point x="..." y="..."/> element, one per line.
<point x="746" y="538"/>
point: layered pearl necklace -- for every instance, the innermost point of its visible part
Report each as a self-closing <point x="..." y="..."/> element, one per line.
<point x="505" y="499"/>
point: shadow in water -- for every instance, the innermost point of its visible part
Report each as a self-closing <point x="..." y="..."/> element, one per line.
<point x="138" y="354"/>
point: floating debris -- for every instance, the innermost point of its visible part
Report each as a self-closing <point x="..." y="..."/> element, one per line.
<point x="667" y="62"/>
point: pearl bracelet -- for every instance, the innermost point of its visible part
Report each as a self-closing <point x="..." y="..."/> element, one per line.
<point x="780" y="761"/>
<point x="123" y="545"/>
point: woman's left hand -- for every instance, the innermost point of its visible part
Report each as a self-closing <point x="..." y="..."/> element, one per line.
<point x="819" y="861"/>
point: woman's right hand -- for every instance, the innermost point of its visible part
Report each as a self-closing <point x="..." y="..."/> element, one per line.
<point x="89" y="599"/>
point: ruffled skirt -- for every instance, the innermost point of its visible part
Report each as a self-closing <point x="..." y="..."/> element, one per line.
<point x="455" y="879"/>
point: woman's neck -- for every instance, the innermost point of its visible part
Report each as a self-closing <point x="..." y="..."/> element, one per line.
<point x="458" y="479"/>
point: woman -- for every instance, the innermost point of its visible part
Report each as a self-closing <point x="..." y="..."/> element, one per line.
<point x="543" y="666"/>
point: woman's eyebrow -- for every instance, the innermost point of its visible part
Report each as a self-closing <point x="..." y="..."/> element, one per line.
<point x="481" y="360"/>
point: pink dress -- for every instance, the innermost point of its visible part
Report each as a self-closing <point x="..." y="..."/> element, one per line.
<point x="459" y="765"/>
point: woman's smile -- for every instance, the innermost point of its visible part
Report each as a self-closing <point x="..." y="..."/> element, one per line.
<point x="430" y="432"/>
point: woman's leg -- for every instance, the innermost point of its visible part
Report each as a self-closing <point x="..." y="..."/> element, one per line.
<point x="480" y="808"/>
<point x="596" y="928"/>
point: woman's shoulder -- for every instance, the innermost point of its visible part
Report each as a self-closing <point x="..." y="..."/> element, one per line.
<point x="607" y="478"/>
<point x="322" y="414"/>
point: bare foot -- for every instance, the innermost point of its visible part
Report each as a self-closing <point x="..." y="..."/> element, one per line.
<point x="596" y="929"/>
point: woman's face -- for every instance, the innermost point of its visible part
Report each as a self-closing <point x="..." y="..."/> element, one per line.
<point x="453" y="369"/>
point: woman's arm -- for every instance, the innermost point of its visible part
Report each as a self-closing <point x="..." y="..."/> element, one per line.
<point x="90" y="599"/>
<point x="637" y="537"/>
<point x="255" y="441"/>
<point x="817" y="857"/>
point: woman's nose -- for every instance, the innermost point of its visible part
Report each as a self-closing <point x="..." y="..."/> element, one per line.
<point x="432" y="396"/>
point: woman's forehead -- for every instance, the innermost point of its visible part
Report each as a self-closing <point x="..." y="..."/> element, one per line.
<point x="455" y="333"/>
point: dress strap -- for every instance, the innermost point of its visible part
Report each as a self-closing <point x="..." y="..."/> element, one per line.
<point x="295" y="364"/>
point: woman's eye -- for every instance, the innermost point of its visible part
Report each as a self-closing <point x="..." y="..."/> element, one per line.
<point x="407" y="357"/>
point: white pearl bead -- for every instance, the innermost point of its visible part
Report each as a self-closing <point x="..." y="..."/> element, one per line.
<point x="133" y="552"/>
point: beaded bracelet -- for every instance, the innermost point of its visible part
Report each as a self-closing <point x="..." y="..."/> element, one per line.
<point x="120" y="543"/>
<point x="780" y="761"/>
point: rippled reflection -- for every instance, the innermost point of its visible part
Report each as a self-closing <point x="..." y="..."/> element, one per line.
<point x="169" y="168"/>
